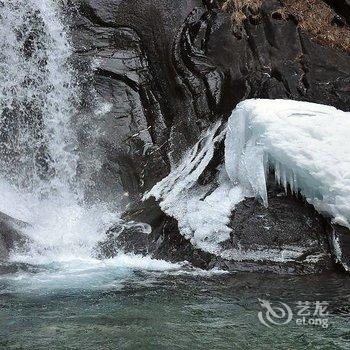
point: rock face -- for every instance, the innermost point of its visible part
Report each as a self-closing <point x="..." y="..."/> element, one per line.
<point x="164" y="71"/>
<point x="10" y="235"/>
<point x="295" y="66"/>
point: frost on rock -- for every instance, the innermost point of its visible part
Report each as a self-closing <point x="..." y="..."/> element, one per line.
<point x="306" y="144"/>
<point x="202" y="213"/>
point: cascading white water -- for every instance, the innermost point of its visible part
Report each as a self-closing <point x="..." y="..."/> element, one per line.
<point x="37" y="96"/>
<point x="38" y="161"/>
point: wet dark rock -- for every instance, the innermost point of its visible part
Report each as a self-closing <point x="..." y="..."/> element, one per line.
<point x="11" y="236"/>
<point x="163" y="242"/>
<point x="283" y="223"/>
<point x="160" y="81"/>
<point x="282" y="268"/>
<point x="284" y="226"/>
<point x="165" y="71"/>
<point x="286" y="63"/>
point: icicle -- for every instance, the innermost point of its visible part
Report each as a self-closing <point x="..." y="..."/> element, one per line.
<point x="284" y="179"/>
<point x="277" y="169"/>
<point x="295" y="180"/>
<point x="291" y="182"/>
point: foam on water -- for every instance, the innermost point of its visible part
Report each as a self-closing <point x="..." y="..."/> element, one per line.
<point x="83" y="274"/>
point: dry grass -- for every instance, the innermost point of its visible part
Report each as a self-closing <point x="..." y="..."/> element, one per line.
<point x="313" y="16"/>
<point x="239" y="10"/>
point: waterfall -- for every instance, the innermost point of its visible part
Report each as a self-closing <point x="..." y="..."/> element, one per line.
<point x="38" y="158"/>
<point x="37" y="95"/>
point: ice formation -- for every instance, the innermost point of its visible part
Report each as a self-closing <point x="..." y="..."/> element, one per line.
<point x="202" y="213"/>
<point x="306" y="144"/>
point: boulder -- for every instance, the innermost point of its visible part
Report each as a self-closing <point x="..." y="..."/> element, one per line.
<point x="11" y="236"/>
<point x="286" y="233"/>
<point x="161" y="238"/>
<point x="286" y="237"/>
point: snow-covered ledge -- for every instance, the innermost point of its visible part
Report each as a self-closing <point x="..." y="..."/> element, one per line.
<point x="307" y="144"/>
